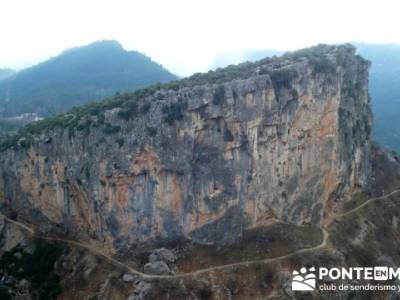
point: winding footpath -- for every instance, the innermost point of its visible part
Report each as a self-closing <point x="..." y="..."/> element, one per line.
<point x="115" y="262"/>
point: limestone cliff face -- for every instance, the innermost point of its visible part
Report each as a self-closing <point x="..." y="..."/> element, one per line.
<point x="284" y="142"/>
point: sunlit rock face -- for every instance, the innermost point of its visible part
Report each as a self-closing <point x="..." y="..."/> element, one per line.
<point x="284" y="142"/>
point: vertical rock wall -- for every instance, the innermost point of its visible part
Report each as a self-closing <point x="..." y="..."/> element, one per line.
<point x="283" y="143"/>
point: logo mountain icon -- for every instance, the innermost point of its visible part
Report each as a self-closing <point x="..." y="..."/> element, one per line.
<point x="304" y="281"/>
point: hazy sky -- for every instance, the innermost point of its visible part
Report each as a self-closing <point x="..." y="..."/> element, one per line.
<point x="185" y="36"/>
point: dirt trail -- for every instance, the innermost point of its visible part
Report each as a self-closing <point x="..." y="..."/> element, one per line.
<point x="97" y="252"/>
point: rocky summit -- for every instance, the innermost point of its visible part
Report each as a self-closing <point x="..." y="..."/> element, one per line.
<point x="235" y="168"/>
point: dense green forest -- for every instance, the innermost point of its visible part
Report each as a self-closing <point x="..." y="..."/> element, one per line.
<point x="78" y="76"/>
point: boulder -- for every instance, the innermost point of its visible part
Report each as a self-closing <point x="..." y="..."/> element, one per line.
<point x="129" y="277"/>
<point x="142" y="290"/>
<point x="162" y="254"/>
<point x="157" y="268"/>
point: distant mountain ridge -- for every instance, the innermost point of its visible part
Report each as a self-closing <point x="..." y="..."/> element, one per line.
<point x="77" y="76"/>
<point x="384" y="87"/>
<point x="5" y="73"/>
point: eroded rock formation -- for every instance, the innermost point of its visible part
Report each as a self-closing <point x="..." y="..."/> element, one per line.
<point x="283" y="142"/>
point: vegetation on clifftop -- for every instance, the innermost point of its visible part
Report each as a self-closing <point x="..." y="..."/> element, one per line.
<point x="132" y="104"/>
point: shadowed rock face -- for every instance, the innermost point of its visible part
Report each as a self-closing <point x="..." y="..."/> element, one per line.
<point x="282" y="144"/>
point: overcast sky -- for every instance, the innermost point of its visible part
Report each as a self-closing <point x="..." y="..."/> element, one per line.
<point x="185" y="36"/>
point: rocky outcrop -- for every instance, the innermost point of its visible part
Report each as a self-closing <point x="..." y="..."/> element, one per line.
<point x="161" y="262"/>
<point x="162" y="254"/>
<point x="282" y="140"/>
